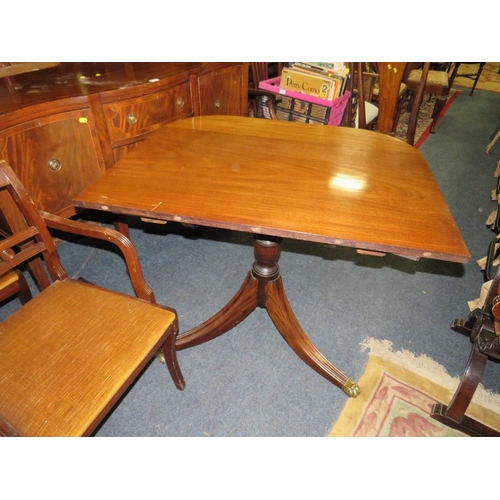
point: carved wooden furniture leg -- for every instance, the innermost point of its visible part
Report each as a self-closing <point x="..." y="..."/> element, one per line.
<point x="121" y="225"/>
<point x="438" y="107"/>
<point x="454" y="414"/>
<point x="234" y="312"/>
<point x="281" y="313"/>
<point x="24" y="289"/>
<point x="263" y="287"/>
<point x="170" y="353"/>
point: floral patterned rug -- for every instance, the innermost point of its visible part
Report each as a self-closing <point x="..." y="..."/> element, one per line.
<point x="398" y="390"/>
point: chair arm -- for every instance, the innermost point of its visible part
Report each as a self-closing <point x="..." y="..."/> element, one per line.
<point x="271" y="100"/>
<point x="129" y="252"/>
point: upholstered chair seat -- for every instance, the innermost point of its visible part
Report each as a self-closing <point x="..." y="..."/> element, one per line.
<point x="438" y="79"/>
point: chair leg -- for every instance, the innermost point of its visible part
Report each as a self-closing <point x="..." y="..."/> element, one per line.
<point x="454" y="415"/>
<point x="415" y="106"/>
<point x="24" y="290"/>
<point x="412" y="122"/>
<point x="170" y="355"/>
<point x="479" y="71"/>
<point x="438" y="107"/>
<point x="454" y="73"/>
<point x="468" y="384"/>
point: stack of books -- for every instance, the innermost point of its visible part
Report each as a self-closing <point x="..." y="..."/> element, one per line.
<point x="324" y="80"/>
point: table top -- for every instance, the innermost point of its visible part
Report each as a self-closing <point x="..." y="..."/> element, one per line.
<point x="334" y="185"/>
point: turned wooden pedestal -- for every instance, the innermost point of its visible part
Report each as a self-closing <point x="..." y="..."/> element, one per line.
<point x="263" y="287"/>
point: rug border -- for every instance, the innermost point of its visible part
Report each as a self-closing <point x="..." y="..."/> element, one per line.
<point x="377" y="363"/>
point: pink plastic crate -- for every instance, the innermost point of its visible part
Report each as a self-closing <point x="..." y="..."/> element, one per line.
<point x="295" y="106"/>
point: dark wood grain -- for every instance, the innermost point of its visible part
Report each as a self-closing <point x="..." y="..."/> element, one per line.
<point x="84" y="79"/>
<point x="85" y="116"/>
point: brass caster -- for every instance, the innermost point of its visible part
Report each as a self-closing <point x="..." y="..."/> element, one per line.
<point x="351" y="389"/>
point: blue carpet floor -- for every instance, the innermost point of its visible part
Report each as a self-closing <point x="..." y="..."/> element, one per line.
<point x="248" y="382"/>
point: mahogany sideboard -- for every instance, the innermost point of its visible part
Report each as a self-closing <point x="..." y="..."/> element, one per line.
<point x="62" y="127"/>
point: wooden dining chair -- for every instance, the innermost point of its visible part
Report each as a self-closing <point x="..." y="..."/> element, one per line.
<point x="70" y="353"/>
<point x="426" y="81"/>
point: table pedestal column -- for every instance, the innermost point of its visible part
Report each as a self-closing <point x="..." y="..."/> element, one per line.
<point x="263" y="287"/>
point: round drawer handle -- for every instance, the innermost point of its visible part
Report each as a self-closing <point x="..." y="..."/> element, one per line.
<point x="54" y="165"/>
<point x="180" y="102"/>
<point x="217" y="104"/>
<point x="131" y="118"/>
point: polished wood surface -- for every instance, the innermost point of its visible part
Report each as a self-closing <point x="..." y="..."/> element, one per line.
<point x="61" y="127"/>
<point x="76" y="79"/>
<point x="334" y="185"/>
<point x="390" y="77"/>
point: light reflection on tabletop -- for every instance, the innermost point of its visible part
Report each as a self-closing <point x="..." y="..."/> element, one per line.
<point x="347" y="183"/>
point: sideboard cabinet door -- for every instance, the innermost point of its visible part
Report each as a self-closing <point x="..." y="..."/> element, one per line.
<point x="55" y="157"/>
<point x="220" y="91"/>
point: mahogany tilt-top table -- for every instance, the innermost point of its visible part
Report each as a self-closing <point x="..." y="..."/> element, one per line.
<point x="330" y="185"/>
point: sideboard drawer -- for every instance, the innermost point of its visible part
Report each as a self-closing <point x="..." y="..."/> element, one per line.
<point x="220" y="91"/>
<point x="133" y="118"/>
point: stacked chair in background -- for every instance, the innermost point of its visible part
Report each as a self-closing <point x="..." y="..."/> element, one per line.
<point x="482" y="326"/>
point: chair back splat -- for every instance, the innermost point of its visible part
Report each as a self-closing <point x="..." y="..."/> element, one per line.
<point x="69" y="353"/>
<point x="390" y="79"/>
<point x="36" y="232"/>
<point x="360" y="111"/>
